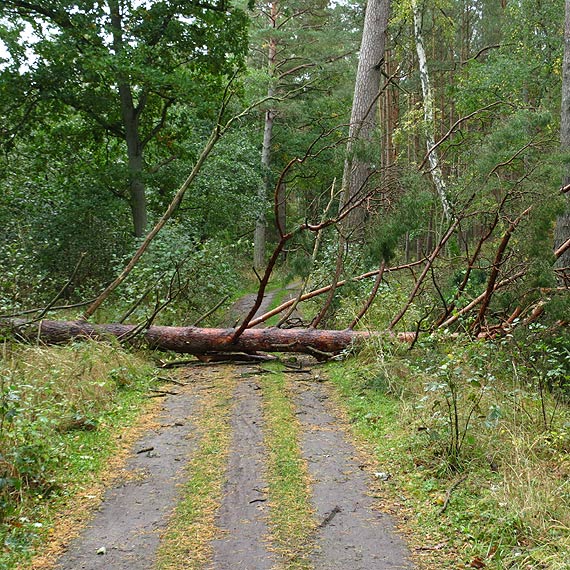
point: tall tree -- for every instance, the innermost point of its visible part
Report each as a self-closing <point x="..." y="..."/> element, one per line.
<point x="358" y="169"/>
<point x="428" y="105"/>
<point x="562" y="231"/>
<point x="124" y="65"/>
<point x="295" y="43"/>
<point x="272" y="15"/>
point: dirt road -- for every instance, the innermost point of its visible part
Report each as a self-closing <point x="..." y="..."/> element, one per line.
<point x="347" y="533"/>
<point x="132" y="527"/>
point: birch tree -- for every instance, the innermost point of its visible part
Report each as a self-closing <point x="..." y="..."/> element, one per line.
<point x="428" y="107"/>
<point x="562" y="231"/>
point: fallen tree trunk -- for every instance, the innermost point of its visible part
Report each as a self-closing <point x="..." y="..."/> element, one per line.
<point x="192" y="340"/>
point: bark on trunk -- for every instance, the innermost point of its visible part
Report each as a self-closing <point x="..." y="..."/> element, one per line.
<point x="357" y="170"/>
<point x="130" y="116"/>
<point x="433" y="157"/>
<point x="192" y="340"/>
<point x="562" y="231"/>
<point x="263" y="191"/>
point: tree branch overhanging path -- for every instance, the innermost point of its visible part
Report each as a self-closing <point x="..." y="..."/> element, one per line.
<point x="353" y="197"/>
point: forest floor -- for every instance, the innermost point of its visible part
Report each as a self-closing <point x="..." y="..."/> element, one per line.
<point x="245" y="467"/>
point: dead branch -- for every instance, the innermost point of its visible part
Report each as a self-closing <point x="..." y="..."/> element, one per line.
<point x="425" y="271"/>
<point x="470" y="267"/>
<point x="321" y="290"/>
<point x="448" y="494"/>
<point x="564" y="247"/>
<point x="211" y="311"/>
<point x="451" y="320"/>
<point x="50" y="305"/>
<point x="497" y="263"/>
<point x="371" y="297"/>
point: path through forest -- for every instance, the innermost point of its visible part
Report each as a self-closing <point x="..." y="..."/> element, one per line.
<point x="348" y="531"/>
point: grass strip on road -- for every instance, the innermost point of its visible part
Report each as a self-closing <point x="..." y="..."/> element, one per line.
<point x="187" y="542"/>
<point x="291" y="517"/>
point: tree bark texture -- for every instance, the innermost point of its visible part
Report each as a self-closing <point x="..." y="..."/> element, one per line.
<point x="130" y="118"/>
<point x="192" y="340"/>
<point x="363" y="121"/>
<point x="433" y="155"/>
<point x="264" y="188"/>
<point x="562" y="230"/>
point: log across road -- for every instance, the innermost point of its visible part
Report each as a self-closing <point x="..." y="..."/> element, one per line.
<point x="193" y="340"/>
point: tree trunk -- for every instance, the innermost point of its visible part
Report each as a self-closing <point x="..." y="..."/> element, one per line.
<point x="264" y="188"/>
<point x="136" y="182"/>
<point x="562" y="230"/>
<point x="192" y="340"/>
<point x="130" y="116"/>
<point x="433" y="156"/>
<point x="357" y="170"/>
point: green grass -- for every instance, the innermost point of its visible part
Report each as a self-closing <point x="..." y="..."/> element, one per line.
<point x="187" y="541"/>
<point x="60" y="409"/>
<point x="506" y="495"/>
<point x="291" y="515"/>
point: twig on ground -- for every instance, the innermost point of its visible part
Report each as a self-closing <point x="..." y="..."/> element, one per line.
<point x="449" y="491"/>
<point x="171" y="380"/>
<point x="326" y="521"/>
<point x="164" y="392"/>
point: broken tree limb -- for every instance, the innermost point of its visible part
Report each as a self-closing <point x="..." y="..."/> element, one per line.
<point x="321" y="290"/>
<point x="477" y="300"/>
<point x="497" y="264"/>
<point x="425" y="271"/>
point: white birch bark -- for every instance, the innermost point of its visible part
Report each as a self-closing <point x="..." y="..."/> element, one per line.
<point x="433" y="155"/>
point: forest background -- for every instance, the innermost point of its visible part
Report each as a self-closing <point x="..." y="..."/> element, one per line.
<point x="460" y="221"/>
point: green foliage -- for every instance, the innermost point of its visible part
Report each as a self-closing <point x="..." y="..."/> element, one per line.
<point x="58" y="411"/>
<point x="479" y="408"/>
<point x="182" y="273"/>
<point x="406" y="217"/>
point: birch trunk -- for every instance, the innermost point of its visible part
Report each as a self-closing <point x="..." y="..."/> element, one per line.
<point x="433" y="156"/>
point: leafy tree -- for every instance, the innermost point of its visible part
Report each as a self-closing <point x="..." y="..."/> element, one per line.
<point x="123" y="66"/>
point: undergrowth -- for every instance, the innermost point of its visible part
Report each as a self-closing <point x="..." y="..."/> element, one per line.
<point x="476" y="436"/>
<point x="59" y="411"/>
